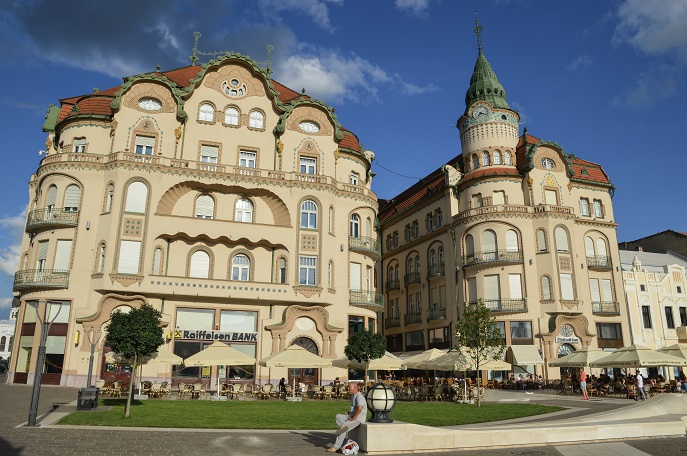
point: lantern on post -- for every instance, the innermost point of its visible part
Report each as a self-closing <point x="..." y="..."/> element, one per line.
<point x="381" y="400"/>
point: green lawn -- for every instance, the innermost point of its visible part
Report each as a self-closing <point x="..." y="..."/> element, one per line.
<point x="288" y="415"/>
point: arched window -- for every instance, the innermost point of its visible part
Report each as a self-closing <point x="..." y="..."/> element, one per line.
<point x="136" y="196"/>
<point x="390" y="277"/>
<point x="331" y="219"/>
<point x="546" y="293"/>
<point x="439" y="217"/>
<point x="512" y="241"/>
<point x="440" y="255"/>
<point x="231" y="116"/>
<point x="71" y="198"/>
<point x="101" y="259"/>
<point x="206" y="113"/>
<point x="497" y="157"/>
<point x="282" y="270"/>
<point x="368" y="227"/>
<point x="157" y="261"/>
<point x="432" y="258"/>
<point x="489" y="241"/>
<point x="205" y="207"/>
<point x="469" y="245"/>
<point x="257" y="119"/>
<point x="486" y="161"/>
<point x="396" y="272"/>
<point x="417" y="264"/>
<point x="475" y="161"/>
<point x="506" y="158"/>
<point x="244" y="211"/>
<point x="588" y="246"/>
<point x="601" y="247"/>
<point x="3" y="341"/>
<point x="109" y="197"/>
<point x="330" y="274"/>
<point x="541" y="241"/>
<point x="309" y="214"/>
<point x="240" y="268"/>
<point x="200" y="265"/>
<point x="354" y="230"/>
<point x="409" y="266"/>
<point x="561" y="240"/>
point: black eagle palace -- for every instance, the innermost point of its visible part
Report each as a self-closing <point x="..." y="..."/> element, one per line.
<point x="215" y="335"/>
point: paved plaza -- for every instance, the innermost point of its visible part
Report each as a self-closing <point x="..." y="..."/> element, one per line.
<point x="17" y="440"/>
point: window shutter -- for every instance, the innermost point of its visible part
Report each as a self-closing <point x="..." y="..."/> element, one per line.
<point x="136" y="197"/>
<point x="606" y="290"/>
<point x="200" y="265"/>
<point x="492" y="291"/>
<point x="567" y="290"/>
<point x="209" y="151"/>
<point x="157" y="258"/>
<point x="469" y="245"/>
<point x="147" y="141"/>
<point x="355" y="276"/>
<point x="205" y="206"/>
<point x="71" y="197"/>
<point x="550" y="197"/>
<point x="594" y="289"/>
<point x="515" y="286"/>
<point x="588" y="246"/>
<point x="129" y="253"/>
<point x="546" y="288"/>
<point x="561" y="240"/>
<point x="511" y="241"/>
<point x="601" y="247"/>
<point x="541" y="241"/>
<point x="52" y="197"/>
<point x="488" y="241"/>
<point x="42" y="250"/>
<point x="62" y="255"/>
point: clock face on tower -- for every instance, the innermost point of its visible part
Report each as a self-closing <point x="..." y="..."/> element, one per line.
<point x="566" y="331"/>
<point x="480" y="112"/>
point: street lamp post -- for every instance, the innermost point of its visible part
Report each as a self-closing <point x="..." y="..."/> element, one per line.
<point x="40" y="360"/>
<point x="93" y="341"/>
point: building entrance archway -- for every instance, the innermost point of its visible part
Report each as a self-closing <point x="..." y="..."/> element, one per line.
<point x="309" y="376"/>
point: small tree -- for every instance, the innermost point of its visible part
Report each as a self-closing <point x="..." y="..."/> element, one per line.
<point x="479" y="338"/>
<point x="135" y="335"/>
<point x="365" y="346"/>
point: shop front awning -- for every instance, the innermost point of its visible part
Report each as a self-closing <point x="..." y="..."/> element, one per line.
<point x="525" y="355"/>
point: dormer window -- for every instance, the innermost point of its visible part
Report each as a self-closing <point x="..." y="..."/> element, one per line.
<point x="547" y="163"/>
<point x="150" y="104"/>
<point x="234" y="88"/>
<point x="309" y="126"/>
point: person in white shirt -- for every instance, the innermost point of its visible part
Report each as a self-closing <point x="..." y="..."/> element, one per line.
<point x="640" y="386"/>
<point x="357" y="414"/>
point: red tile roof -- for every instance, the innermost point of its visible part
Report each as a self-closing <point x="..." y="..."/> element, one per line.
<point x="350" y="141"/>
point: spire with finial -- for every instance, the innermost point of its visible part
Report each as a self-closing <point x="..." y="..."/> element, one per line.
<point x="478" y="32"/>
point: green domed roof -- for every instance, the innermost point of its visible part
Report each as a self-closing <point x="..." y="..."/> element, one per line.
<point x="485" y="86"/>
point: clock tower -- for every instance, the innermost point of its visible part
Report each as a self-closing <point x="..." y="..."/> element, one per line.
<point x="488" y="127"/>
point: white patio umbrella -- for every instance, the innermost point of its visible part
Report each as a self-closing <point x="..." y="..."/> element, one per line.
<point x="386" y="362"/>
<point x="580" y="358"/>
<point x="414" y="362"/>
<point x="164" y="357"/>
<point x="679" y="350"/>
<point x="636" y="356"/>
<point x="295" y="357"/>
<point x="218" y="354"/>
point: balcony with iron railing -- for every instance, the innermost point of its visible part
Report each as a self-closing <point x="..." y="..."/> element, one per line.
<point x="413" y="277"/>
<point x="610" y="308"/>
<point x="365" y="245"/>
<point x="597" y="262"/>
<point x="436" y="270"/>
<point x="367" y="299"/>
<point x="392" y="322"/>
<point x="436" y="314"/>
<point x="391" y="285"/>
<point x="45" y="219"/>
<point x="412" y="319"/>
<point x="41" y="279"/>
<point x="506" y="305"/>
<point x="493" y="256"/>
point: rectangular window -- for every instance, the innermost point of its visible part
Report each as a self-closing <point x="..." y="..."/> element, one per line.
<point x="515" y="284"/>
<point x="355" y="325"/>
<point x="551" y="197"/>
<point x="63" y="255"/>
<point x="354" y="178"/>
<point x="209" y="154"/>
<point x="670" y="322"/>
<point x="679" y="289"/>
<point x="498" y="198"/>
<point x="492" y="289"/>
<point x="79" y="145"/>
<point x="308" y="265"/>
<point x="606" y="290"/>
<point x="477" y="200"/>
<point x="247" y="159"/>
<point x="584" y="206"/>
<point x="42" y="255"/>
<point x="308" y="165"/>
<point x="502" y="329"/>
<point x="609" y="331"/>
<point x="415" y="339"/>
<point x="598" y="209"/>
<point x="406" y="233"/>
<point x="594" y="289"/>
<point x="646" y="317"/>
<point x="567" y="289"/>
<point x="683" y="316"/>
<point x="355" y="270"/>
<point x="195" y="319"/>
<point x="145" y="145"/>
<point x="129" y="253"/>
<point x="238" y="321"/>
<point x="472" y="289"/>
<point x="642" y="288"/>
<point x="521" y="330"/>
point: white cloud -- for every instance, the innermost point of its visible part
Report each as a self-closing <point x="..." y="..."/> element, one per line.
<point x="317" y="10"/>
<point x="580" y="63"/>
<point x="417" y="7"/>
<point x="5" y="303"/>
<point x="654" y="27"/>
<point x="10" y="241"/>
<point x="658" y="83"/>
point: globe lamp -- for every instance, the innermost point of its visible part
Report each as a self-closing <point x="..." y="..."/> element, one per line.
<point x="381" y="400"/>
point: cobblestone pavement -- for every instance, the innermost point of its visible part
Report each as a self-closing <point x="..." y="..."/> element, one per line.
<point x="14" y="440"/>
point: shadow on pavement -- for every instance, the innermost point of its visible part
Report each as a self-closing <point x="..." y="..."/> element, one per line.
<point x="6" y="448"/>
<point x="316" y="439"/>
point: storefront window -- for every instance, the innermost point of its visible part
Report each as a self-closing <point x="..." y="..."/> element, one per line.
<point x="195" y="319"/>
<point x="355" y="324"/>
<point x="521" y="330"/>
<point x="186" y="349"/>
<point x="54" y="354"/>
<point x="238" y="321"/>
<point x="24" y="355"/>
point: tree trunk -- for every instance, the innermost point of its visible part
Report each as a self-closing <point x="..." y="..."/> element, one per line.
<point x="127" y="409"/>
<point x="479" y="383"/>
<point x="367" y="373"/>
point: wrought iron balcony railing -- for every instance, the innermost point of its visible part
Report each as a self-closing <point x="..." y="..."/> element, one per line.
<point x="36" y="278"/>
<point x="493" y="256"/>
<point x="392" y="285"/>
<point x="599" y="262"/>
<point x="605" y="307"/>
<point x="506" y="305"/>
<point x="413" y="277"/>
<point x="45" y="219"/>
<point x="412" y="319"/>
<point x="366" y="245"/>
<point x="367" y="299"/>
<point x="392" y="322"/>
<point x="436" y="314"/>
<point x="436" y="270"/>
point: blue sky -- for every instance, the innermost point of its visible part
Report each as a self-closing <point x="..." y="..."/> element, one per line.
<point x="604" y="79"/>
